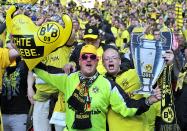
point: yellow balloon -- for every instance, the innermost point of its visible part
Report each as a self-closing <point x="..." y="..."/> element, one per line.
<point x="36" y="42"/>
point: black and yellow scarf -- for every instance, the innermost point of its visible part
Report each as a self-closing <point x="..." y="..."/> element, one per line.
<point x="168" y="113"/>
<point x="80" y="102"/>
<point x="179" y="17"/>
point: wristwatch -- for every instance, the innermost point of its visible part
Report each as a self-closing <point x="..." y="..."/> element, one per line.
<point x="147" y="102"/>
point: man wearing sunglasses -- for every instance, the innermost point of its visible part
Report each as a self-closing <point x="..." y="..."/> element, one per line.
<point x="91" y="36"/>
<point x="88" y="94"/>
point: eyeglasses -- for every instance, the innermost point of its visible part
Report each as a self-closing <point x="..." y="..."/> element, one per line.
<point x="86" y="56"/>
<point x="111" y="58"/>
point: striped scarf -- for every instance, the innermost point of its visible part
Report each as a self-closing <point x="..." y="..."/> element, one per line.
<point x="80" y="102"/>
<point x="168" y="114"/>
<point x="179" y="18"/>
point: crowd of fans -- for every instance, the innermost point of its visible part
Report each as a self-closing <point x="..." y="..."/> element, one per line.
<point x="108" y="25"/>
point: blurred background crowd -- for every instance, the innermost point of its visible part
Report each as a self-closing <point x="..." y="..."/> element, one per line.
<point x="113" y="22"/>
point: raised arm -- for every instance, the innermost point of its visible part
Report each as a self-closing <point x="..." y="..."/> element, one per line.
<point x="56" y="80"/>
<point x="123" y="104"/>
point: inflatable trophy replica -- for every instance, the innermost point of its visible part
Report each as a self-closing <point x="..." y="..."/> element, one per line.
<point x="147" y="57"/>
<point x="36" y="42"/>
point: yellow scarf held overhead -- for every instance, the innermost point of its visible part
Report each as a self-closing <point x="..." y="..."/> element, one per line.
<point x="179" y="17"/>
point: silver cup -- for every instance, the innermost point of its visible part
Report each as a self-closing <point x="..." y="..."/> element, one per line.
<point x="148" y="58"/>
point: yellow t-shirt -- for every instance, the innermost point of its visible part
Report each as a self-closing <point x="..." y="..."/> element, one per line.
<point x="120" y="39"/>
<point x="82" y="23"/>
<point x="60" y="104"/>
<point x="4" y="62"/>
<point x="100" y="68"/>
<point x="114" y="31"/>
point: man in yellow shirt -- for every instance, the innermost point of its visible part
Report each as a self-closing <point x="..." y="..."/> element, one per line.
<point x="6" y="57"/>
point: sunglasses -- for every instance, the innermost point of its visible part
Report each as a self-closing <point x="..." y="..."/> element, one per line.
<point x="86" y="56"/>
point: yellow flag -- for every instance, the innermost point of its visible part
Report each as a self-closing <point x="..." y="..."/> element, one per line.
<point x="36" y="42"/>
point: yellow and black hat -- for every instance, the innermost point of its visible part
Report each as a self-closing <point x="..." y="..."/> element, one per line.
<point x="91" y="32"/>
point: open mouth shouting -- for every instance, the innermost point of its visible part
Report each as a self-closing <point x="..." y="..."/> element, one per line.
<point x="111" y="66"/>
<point x="89" y="65"/>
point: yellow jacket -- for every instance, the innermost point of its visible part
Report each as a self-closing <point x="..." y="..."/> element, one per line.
<point x="129" y="82"/>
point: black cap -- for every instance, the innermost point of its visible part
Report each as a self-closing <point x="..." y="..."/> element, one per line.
<point x="91" y="32"/>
